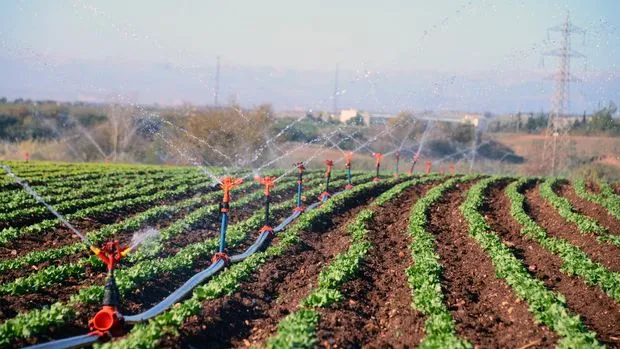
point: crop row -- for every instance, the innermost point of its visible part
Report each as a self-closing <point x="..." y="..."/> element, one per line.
<point x="103" y="185"/>
<point x="26" y="324"/>
<point x="585" y="224"/>
<point x="424" y="276"/>
<point x="146" y="335"/>
<point x="55" y="274"/>
<point x="574" y="260"/>
<point x="548" y="308"/>
<point x="143" y="186"/>
<point x="11" y="233"/>
<point x="609" y="202"/>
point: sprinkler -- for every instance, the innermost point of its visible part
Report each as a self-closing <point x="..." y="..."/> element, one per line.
<point x="227" y="184"/>
<point x="347" y="158"/>
<point x="300" y="181"/>
<point x="428" y="166"/>
<point x="268" y="182"/>
<point x="108" y="321"/>
<point x="416" y="157"/>
<point x="451" y="168"/>
<point x="26" y="156"/>
<point x="328" y="174"/>
<point x="397" y="155"/>
<point x="378" y="157"/>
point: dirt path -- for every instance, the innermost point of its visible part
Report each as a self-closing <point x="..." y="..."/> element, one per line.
<point x="589" y="209"/>
<point x="485" y="309"/>
<point x="547" y="217"/>
<point x="376" y="310"/>
<point x="598" y="311"/>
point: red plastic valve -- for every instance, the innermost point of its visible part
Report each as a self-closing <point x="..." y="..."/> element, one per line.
<point x="378" y="157"/>
<point x="330" y="164"/>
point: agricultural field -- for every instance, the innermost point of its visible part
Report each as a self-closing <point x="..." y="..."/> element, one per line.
<point x="422" y="260"/>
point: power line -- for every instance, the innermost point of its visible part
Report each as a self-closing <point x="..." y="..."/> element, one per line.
<point x="555" y="148"/>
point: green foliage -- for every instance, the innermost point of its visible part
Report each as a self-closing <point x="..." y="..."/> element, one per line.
<point x="612" y="205"/>
<point x="565" y="209"/>
<point x="297" y="330"/>
<point x="548" y="308"/>
<point x="228" y="281"/>
<point x="424" y="276"/>
<point x="574" y="261"/>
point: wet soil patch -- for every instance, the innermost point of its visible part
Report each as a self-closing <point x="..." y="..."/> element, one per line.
<point x="485" y="308"/>
<point x="547" y="217"/>
<point x="598" y="311"/>
<point x="376" y="310"/>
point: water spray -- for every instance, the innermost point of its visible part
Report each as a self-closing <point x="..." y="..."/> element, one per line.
<point x="268" y="182"/>
<point x="347" y="158"/>
<point x="300" y="181"/>
<point x="416" y="157"/>
<point x="227" y="184"/>
<point x="397" y="155"/>
<point x="328" y="175"/>
<point x="378" y="157"/>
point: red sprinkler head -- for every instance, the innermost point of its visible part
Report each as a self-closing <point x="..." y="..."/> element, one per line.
<point x="397" y="155"/>
<point x="110" y="254"/>
<point x="227" y="184"/>
<point x="428" y="166"/>
<point x="416" y="157"/>
<point x="347" y="157"/>
<point x="451" y="168"/>
<point x="26" y="156"/>
<point x="378" y="157"/>
<point x="268" y="182"/>
<point x="329" y="164"/>
<point x="300" y="166"/>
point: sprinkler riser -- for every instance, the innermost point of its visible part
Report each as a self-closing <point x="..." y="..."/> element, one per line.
<point x="111" y="295"/>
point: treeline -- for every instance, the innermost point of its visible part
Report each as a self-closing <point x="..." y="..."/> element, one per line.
<point x="601" y="122"/>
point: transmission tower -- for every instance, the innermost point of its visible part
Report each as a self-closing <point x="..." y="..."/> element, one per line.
<point x="336" y="91"/>
<point x="217" y="82"/>
<point x="555" y="151"/>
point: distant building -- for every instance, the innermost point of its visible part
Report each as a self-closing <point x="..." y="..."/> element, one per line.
<point x="473" y="119"/>
<point x="367" y="117"/>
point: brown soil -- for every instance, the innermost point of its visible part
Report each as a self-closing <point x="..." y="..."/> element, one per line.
<point x="146" y="295"/>
<point x="593" y="187"/>
<point x="547" y="217"/>
<point x="590" y="209"/>
<point x="250" y="315"/>
<point x="376" y="311"/>
<point x="598" y="311"/>
<point x="62" y="236"/>
<point x="486" y="310"/>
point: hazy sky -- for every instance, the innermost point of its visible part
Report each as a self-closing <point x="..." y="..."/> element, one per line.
<point x="275" y="45"/>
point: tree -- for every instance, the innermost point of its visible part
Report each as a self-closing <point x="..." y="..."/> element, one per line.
<point x="357" y="120"/>
<point x="3" y="100"/>
<point x="603" y="121"/>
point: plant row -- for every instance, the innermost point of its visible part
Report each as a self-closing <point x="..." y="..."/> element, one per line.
<point x="574" y="260"/>
<point x="147" y="335"/>
<point x="548" y="307"/>
<point x="612" y="205"/>
<point x="139" y="187"/>
<point x="55" y="274"/>
<point x="35" y="321"/>
<point x="424" y="276"/>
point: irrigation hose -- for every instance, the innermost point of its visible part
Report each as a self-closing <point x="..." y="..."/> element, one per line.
<point x="179" y="293"/>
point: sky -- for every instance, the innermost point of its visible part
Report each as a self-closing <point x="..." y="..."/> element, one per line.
<point x="446" y="54"/>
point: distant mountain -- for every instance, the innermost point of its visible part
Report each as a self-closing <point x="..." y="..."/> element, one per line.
<point x="286" y="89"/>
